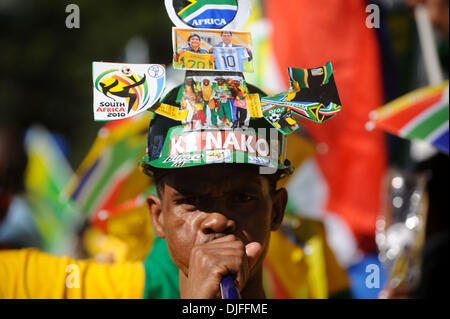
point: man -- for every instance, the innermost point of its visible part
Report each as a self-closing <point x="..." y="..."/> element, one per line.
<point x="209" y="103"/>
<point x="209" y="228"/>
<point x="193" y="56"/>
<point x="238" y="103"/>
<point x="221" y="96"/>
<point x="191" y="101"/>
<point x="216" y="218"/>
<point x="230" y="56"/>
<point x="215" y="214"/>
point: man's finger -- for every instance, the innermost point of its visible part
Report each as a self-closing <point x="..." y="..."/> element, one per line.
<point x="253" y="251"/>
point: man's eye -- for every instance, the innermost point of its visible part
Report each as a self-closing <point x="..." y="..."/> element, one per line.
<point x="194" y="201"/>
<point x="242" y="198"/>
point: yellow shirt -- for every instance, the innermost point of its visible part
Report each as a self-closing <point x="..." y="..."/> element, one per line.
<point x="207" y="92"/>
<point x="29" y="273"/>
<point x="191" y="60"/>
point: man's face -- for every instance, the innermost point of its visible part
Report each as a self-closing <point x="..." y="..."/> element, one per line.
<point x="226" y="38"/>
<point x="194" y="42"/>
<point x="201" y="204"/>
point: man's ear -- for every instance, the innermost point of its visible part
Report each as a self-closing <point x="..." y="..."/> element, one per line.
<point x="278" y="207"/>
<point x="155" y="209"/>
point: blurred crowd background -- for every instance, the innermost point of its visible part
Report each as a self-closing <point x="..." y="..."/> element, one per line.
<point x="69" y="185"/>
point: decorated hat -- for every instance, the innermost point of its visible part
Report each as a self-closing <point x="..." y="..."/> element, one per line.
<point x="172" y="144"/>
<point x="215" y="116"/>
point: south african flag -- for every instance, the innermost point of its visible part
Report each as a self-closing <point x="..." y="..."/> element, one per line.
<point x="419" y="115"/>
<point x="213" y="14"/>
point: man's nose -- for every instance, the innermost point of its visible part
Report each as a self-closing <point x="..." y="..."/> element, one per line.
<point x="218" y="223"/>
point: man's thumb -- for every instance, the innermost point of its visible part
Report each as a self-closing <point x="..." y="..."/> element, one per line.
<point x="253" y="250"/>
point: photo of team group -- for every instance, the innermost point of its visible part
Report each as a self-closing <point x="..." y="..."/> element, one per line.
<point x="219" y="50"/>
<point x="217" y="101"/>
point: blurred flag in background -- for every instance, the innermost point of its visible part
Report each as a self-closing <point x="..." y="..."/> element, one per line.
<point x="341" y="183"/>
<point x="418" y="115"/>
<point x="46" y="176"/>
<point x="110" y="190"/>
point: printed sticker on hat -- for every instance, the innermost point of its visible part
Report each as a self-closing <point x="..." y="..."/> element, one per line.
<point x="313" y="94"/>
<point x="215" y="100"/>
<point x="254" y="105"/>
<point x="212" y="50"/>
<point x="122" y="90"/>
<point x="280" y="117"/>
<point x="213" y="14"/>
<point x="170" y="111"/>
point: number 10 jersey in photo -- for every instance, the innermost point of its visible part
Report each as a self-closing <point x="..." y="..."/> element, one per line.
<point x="233" y="59"/>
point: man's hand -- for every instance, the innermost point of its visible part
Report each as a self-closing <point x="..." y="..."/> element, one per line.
<point x="177" y="54"/>
<point x="210" y="262"/>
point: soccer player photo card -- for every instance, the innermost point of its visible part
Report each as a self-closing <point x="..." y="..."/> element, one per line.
<point x="212" y="50"/>
<point x="215" y="101"/>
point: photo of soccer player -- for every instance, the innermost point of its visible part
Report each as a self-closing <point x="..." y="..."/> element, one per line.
<point x="215" y="101"/>
<point x="209" y="103"/>
<point x="222" y="94"/>
<point x="193" y="56"/>
<point x="238" y="103"/>
<point x="219" y="50"/>
<point x="191" y="101"/>
<point x="230" y="56"/>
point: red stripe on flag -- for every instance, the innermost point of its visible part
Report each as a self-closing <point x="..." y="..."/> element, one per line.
<point x="278" y="291"/>
<point x="397" y="121"/>
<point x="116" y="185"/>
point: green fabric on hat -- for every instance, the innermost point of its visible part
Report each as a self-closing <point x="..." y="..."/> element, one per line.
<point x="171" y="144"/>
